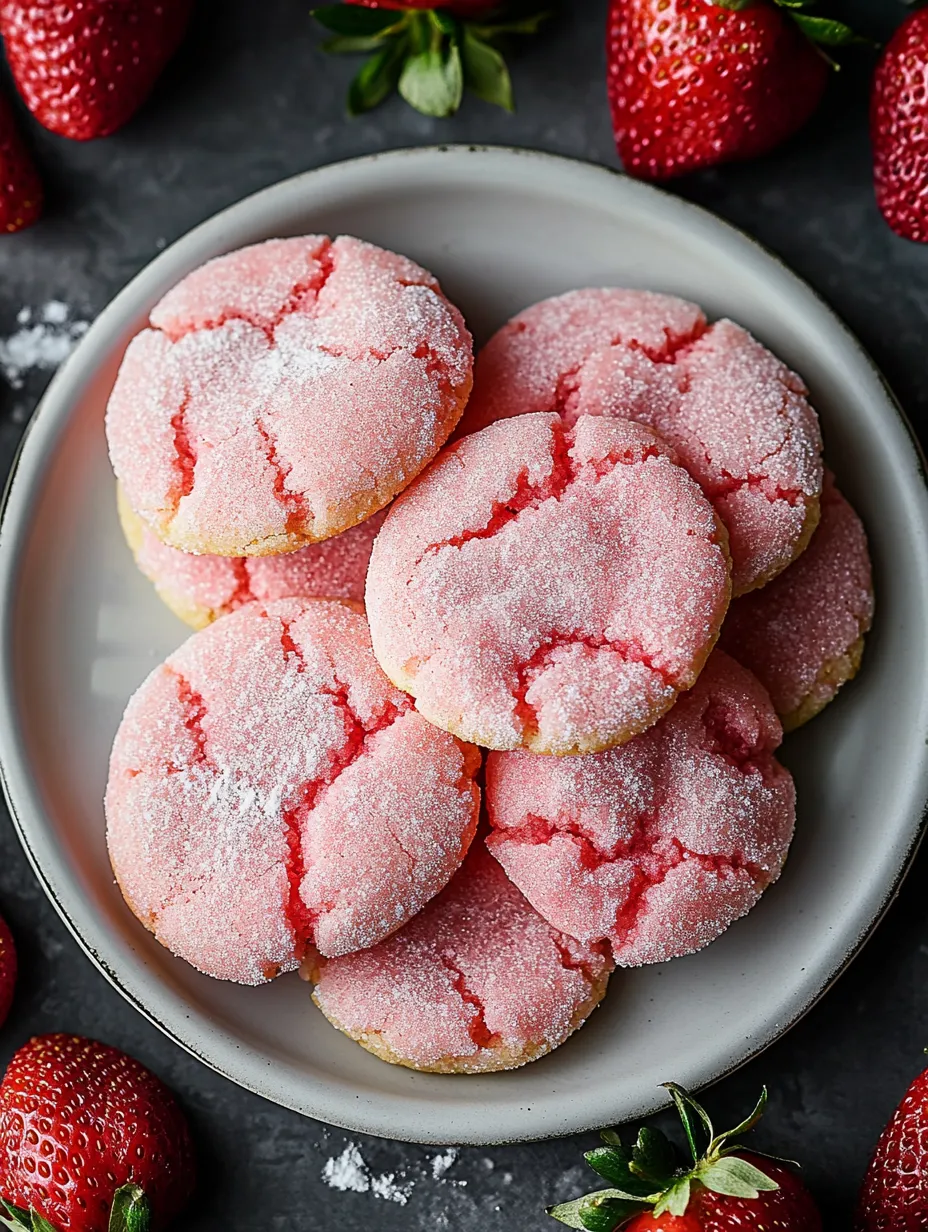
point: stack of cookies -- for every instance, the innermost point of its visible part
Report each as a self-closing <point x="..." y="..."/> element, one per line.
<point x="456" y="738"/>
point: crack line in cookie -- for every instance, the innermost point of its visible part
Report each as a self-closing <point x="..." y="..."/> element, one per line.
<point x="478" y="1030"/>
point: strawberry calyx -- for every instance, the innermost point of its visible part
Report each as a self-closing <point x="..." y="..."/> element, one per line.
<point x="429" y="55"/>
<point x="650" y="1176"/>
<point x="130" y="1212"/>
<point x="822" y="31"/>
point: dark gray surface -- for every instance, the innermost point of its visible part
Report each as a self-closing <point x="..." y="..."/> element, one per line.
<point x="249" y="101"/>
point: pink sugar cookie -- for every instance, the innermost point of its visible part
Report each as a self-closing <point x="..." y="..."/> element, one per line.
<point x="548" y="587"/>
<point x="285" y="392"/>
<point x="270" y="790"/>
<point x="199" y="589"/>
<point x="659" y="845"/>
<point x="478" y="982"/>
<point x="737" y="418"/>
<point x="803" y="635"/>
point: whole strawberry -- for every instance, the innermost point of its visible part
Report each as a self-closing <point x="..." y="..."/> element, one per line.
<point x="694" y="83"/>
<point x="84" y="67"/>
<point x="8" y="962"/>
<point x="894" y="1195"/>
<point x="899" y="129"/>
<point x="720" y="1188"/>
<point x="85" y="1129"/>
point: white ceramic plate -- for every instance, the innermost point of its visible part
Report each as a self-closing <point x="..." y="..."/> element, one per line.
<point x="81" y="628"/>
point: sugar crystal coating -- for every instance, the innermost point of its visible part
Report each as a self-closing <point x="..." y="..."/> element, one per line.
<point x="737" y="417"/>
<point x="802" y="635"/>
<point x="199" y="589"/>
<point x="283" y="393"/>
<point x="548" y="587"/>
<point x="659" y="845"/>
<point x="269" y="789"/>
<point x="477" y="982"/>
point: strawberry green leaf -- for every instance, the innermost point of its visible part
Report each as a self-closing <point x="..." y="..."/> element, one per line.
<point x="485" y="72"/>
<point x="40" y="1224"/>
<point x="526" y="25"/>
<point x="735" y="5"/>
<point x="611" y="1137"/>
<point x="14" y="1217"/>
<point x="676" y="1199"/>
<point x="696" y="1123"/>
<point x="825" y="31"/>
<point x="433" y="81"/>
<point x="653" y="1157"/>
<point x="613" y="1165"/>
<point x="377" y="78"/>
<point x="445" y="23"/>
<point x="350" y="44"/>
<point x="352" y="21"/>
<point x="747" y="1124"/>
<point x="603" y="1211"/>
<point x="736" y="1178"/>
<point x="130" y="1211"/>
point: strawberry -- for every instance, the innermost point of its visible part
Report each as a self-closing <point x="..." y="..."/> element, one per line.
<point x="720" y="1188"/>
<point x="84" y="67"/>
<point x="894" y="1195"/>
<point x="20" y="205"/>
<point x="89" y="1140"/>
<point x="429" y="54"/>
<point x="898" y="120"/>
<point x="694" y="83"/>
<point x="7" y="948"/>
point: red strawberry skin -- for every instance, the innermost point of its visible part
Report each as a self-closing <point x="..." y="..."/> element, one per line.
<point x="8" y="964"/>
<point x="894" y="1195"/>
<point x="85" y="66"/>
<point x="787" y="1209"/>
<point x="899" y="129"/>
<point x="693" y="84"/>
<point x="78" y="1119"/>
<point x="460" y="8"/>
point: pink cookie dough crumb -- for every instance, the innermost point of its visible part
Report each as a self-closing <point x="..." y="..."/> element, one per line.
<point x="200" y="589"/>
<point x="269" y="790"/>
<point x="803" y="635"/>
<point x="659" y="845"/>
<point x="549" y="587"/>
<point x="477" y="982"/>
<point x="738" y="418"/>
<point x="283" y="393"/>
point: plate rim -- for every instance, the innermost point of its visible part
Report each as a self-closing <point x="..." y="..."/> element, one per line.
<point x="11" y="551"/>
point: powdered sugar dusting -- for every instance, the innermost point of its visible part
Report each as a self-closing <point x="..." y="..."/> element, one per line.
<point x="253" y="804"/>
<point x="737" y="417"/>
<point x="659" y="845"/>
<point x="283" y="393"/>
<point x="347" y="1172"/>
<point x="46" y="337"/>
<point x="476" y="982"/>
<point x="549" y="588"/>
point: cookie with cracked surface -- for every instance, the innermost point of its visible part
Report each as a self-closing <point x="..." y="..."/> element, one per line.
<point x="269" y="790"/>
<point x="658" y="846"/>
<point x="200" y="589"/>
<point x="549" y="587"/>
<point x="803" y="635"/>
<point x="478" y="982"/>
<point x="285" y="392"/>
<point x="738" y="418"/>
